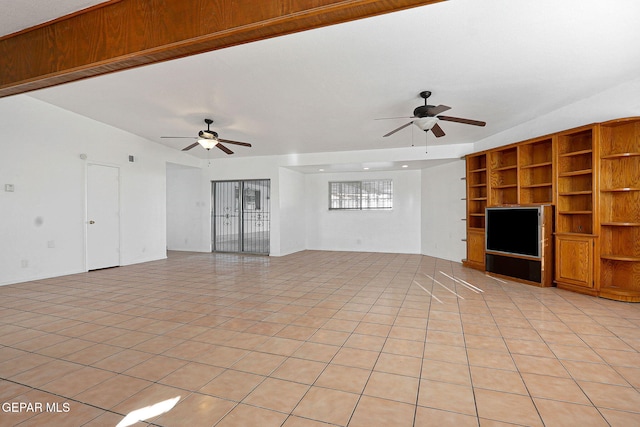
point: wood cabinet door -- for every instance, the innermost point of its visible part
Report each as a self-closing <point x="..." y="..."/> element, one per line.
<point x="475" y="246"/>
<point x="574" y="260"/>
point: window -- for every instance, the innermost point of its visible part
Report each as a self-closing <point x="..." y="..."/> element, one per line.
<point x="373" y="194"/>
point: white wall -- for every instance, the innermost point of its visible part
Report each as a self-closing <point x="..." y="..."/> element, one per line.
<point x="41" y="146"/>
<point x="618" y="102"/>
<point x="292" y="211"/>
<point x="220" y="169"/>
<point x="443" y="209"/>
<point x="299" y="213"/>
<point x="396" y="230"/>
<point x="185" y="209"/>
<point x="48" y="202"/>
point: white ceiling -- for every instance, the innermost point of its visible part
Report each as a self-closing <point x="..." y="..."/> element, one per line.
<point x="501" y="61"/>
<point x="21" y="14"/>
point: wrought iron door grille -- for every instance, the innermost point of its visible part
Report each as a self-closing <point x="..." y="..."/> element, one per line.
<point x="241" y="216"/>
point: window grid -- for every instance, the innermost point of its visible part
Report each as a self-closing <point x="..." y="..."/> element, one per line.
<point x="361" y="195"/>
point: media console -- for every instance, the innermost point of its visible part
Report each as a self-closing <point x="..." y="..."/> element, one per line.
<point x="519" y="244"/>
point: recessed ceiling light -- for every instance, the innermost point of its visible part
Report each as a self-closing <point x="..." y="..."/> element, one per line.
<point x="366" y="169"/>
<point x="321" y="170"/>
<point x="405" y="166"/>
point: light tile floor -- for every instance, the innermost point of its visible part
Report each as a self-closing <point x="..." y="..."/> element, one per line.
<point x="313" y="339"/>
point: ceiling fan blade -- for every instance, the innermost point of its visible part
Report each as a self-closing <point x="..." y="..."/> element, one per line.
<point x="437" y="131"/>
<point x="228" y="141"/>
<point x="182" y="137"/>
<point x="437" y="110"/>
<point x="223" y="148"/>
<point x="191" y="146"/>
<point x="396" y="130"/>
<point x="464" y="121"/>
<point x="390" y="118"/>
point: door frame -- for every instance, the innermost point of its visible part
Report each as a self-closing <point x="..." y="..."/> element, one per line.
<point x="86" y="210"/>
<point x="240" y="214"/>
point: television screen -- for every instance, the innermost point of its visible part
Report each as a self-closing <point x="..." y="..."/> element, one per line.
<point x="513" y="230"/>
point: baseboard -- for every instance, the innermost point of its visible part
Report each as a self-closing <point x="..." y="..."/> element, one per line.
<point x="40" y="277"/>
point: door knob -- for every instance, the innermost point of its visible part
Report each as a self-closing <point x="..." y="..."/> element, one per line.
<point x="92" y="222"/>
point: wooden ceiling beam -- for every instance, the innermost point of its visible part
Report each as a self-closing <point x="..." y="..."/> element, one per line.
<point x="123" y="34"/>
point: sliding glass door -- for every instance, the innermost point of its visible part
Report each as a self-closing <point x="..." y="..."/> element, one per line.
<point x="241" y="216"/>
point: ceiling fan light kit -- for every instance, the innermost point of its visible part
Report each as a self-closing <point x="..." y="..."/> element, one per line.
<point x="207" y="144"/>
<point x="425" y="123"/>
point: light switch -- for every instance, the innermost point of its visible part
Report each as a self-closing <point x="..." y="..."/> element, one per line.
<point x="9" y="188"/>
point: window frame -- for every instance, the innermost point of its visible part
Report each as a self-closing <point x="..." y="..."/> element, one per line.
<point x="386" y="189"/>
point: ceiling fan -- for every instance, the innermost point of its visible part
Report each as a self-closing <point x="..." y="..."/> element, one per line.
<point x="426" y="118"/>
<point x="209" y="139"/>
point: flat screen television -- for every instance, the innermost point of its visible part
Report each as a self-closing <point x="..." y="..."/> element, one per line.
<point x="514" y="230"/>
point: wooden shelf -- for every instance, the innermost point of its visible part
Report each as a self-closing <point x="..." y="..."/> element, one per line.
<point x="575" y="212"/>
<point x="619" y="294"/>
<point x="478" y="170"/>
<point x="625" y="258"/>
<point x="576" y="153"/>
<point x="543" y="184"/>
<point x="576" y="173"/>
<point x="575" y="193"/>
<point x="621" y="291"/>
<point x="536" y="165"/>
<point x="505" y="168"/>
<point x="477" y="199"/>
<point x="617" y="156"/>
<point x="620" y="224"/>
<point x="613" y="190"/>
<point x="568" y="233"/>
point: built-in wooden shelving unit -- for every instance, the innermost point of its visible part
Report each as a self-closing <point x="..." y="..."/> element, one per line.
<point x="591" y="176"/>
<point x="476" y="204"/>
<point x="575" y="219"/>
<point x="619" y="263"/>
<point x="536" y="171"/>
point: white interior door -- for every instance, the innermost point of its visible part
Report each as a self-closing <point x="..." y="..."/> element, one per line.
<point x="103" y="216"/>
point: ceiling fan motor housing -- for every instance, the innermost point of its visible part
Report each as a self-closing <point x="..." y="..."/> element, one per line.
<point x="423" y="111"/>
<point x="208" y="134"/>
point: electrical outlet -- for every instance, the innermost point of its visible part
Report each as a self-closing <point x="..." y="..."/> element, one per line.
<point x="9" y="188"/>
